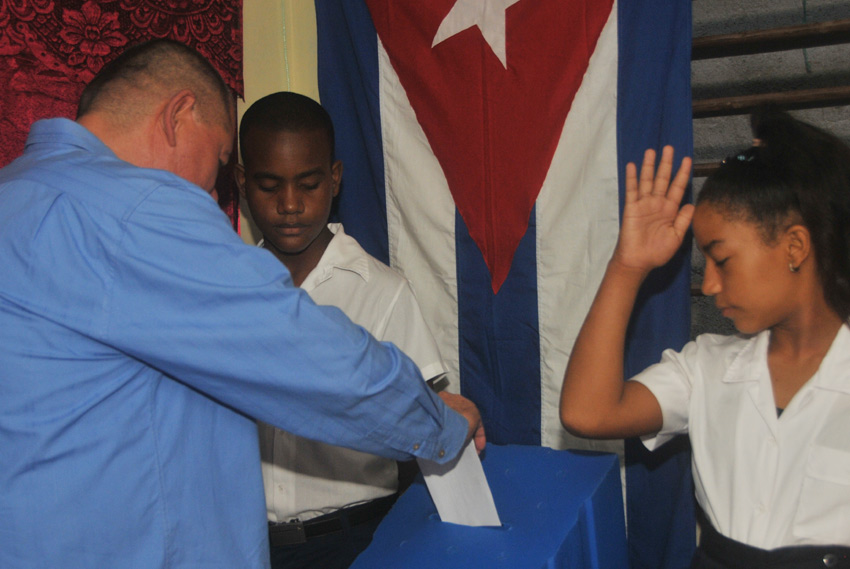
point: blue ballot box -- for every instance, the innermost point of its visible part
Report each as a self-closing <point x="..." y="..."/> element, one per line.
<point x="559" y="509"/>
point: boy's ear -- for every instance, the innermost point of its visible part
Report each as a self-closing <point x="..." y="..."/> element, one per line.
<point x="336" y="174"/>
<point x="178" y="109"/>
<point x="239" y="174"/>
<point x="799" y="243"/>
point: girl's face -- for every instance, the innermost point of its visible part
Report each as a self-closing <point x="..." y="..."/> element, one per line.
<point x="748" y="278"/>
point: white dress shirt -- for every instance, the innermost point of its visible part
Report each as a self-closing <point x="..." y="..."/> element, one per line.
<point x="763" y="480"/>
<point x="304" y="479"/>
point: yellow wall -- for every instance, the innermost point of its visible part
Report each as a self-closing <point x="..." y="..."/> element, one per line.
<point x="279" y="51"/>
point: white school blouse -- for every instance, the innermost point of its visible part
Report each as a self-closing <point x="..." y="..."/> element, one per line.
<point x="763" y="480"/>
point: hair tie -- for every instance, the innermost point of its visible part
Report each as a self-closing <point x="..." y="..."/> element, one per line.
<point x="747" y="155"/>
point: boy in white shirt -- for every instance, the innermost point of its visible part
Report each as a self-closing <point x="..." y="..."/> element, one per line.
<point x="324" y="502"/>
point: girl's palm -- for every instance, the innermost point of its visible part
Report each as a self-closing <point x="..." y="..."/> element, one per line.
<point x="654" y="225"/>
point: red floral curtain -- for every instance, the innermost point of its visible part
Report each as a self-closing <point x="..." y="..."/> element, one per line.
<point x="50" y="49"/>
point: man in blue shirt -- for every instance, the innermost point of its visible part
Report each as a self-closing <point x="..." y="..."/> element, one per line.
<point x="139" y="337"/>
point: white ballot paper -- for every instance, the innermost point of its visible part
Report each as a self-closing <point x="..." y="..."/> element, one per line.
<point x="460" y="490"/>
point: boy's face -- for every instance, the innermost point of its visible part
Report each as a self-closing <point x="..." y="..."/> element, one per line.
<point x="289" y="183"/>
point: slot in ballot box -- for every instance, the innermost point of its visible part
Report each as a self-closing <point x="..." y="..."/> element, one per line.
<point x="559" y="509"/>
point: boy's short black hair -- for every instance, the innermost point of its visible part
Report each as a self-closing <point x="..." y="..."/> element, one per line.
<point x="286" y="111"/>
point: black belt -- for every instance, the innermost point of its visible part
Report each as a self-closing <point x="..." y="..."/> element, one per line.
<point x="734" y="555"/>
<point x="295" y="532"/>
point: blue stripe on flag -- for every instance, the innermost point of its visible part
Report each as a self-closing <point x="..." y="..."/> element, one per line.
<point x="499" y="342"/>
<point x="654" y="109"/>
<point x="348" y="88"/>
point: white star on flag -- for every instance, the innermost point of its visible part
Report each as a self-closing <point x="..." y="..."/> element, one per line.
<point x="488" y="15"/>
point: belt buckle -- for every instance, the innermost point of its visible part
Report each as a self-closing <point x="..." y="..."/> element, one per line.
<point x="289" y="533"/>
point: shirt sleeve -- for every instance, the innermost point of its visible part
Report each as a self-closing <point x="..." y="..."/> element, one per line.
<point x="671" y="382"/>
<point x="407" y="329"/>
<point x="192" y="300"/>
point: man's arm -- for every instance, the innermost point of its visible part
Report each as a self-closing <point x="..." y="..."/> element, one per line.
<point x="191" y="299"/>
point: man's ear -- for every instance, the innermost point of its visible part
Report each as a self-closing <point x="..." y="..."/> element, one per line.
<point x="178" y="110"/>
<point x="239" y="174"/>
<point x="336" y="174"/>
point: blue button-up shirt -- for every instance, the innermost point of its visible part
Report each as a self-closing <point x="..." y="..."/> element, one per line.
<point x="139" y="336"/>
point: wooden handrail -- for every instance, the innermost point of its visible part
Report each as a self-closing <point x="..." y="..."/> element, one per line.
<point x="791" y="100"/>
<point x="776" y="39"/>
<point x="764" y="41"/>
<point x="704" y="169"/>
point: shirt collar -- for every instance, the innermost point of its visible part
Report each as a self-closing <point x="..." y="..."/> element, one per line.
<point x="66" y="131"/>
<point x="831" y="375"/>
<point x="751" y="361"/>
<point x="343" y="253"/>
<point x="833" y="372"/>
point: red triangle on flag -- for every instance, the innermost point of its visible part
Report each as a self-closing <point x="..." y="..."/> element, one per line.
<point x="493" y="129"/>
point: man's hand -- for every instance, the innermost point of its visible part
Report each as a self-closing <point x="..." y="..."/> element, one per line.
<point x="470" y="412"/>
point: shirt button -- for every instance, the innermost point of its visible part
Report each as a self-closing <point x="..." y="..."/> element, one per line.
<point x="442" y="453"/>
<point x="830" y="560"/>
<point x="416" y="446"/>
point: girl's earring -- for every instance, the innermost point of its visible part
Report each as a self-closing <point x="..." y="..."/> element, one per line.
<point x="792" y="268"/>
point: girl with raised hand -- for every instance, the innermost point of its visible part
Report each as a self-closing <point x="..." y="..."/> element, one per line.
<point x="767" y="410"/>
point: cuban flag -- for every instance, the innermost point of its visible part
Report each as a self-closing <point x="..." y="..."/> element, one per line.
<point x="484" y="144"/>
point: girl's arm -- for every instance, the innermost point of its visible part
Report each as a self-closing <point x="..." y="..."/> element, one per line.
<point x="595" y="401"/>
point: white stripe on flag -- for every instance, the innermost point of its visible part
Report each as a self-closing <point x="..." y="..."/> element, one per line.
<point x="577" y="226"/>
<point x="420" y="215"/>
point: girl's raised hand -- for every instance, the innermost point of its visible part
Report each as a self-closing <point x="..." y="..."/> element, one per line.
<point x="654" y="224"/>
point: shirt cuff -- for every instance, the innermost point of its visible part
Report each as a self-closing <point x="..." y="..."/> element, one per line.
<point x="450" y="441"/>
